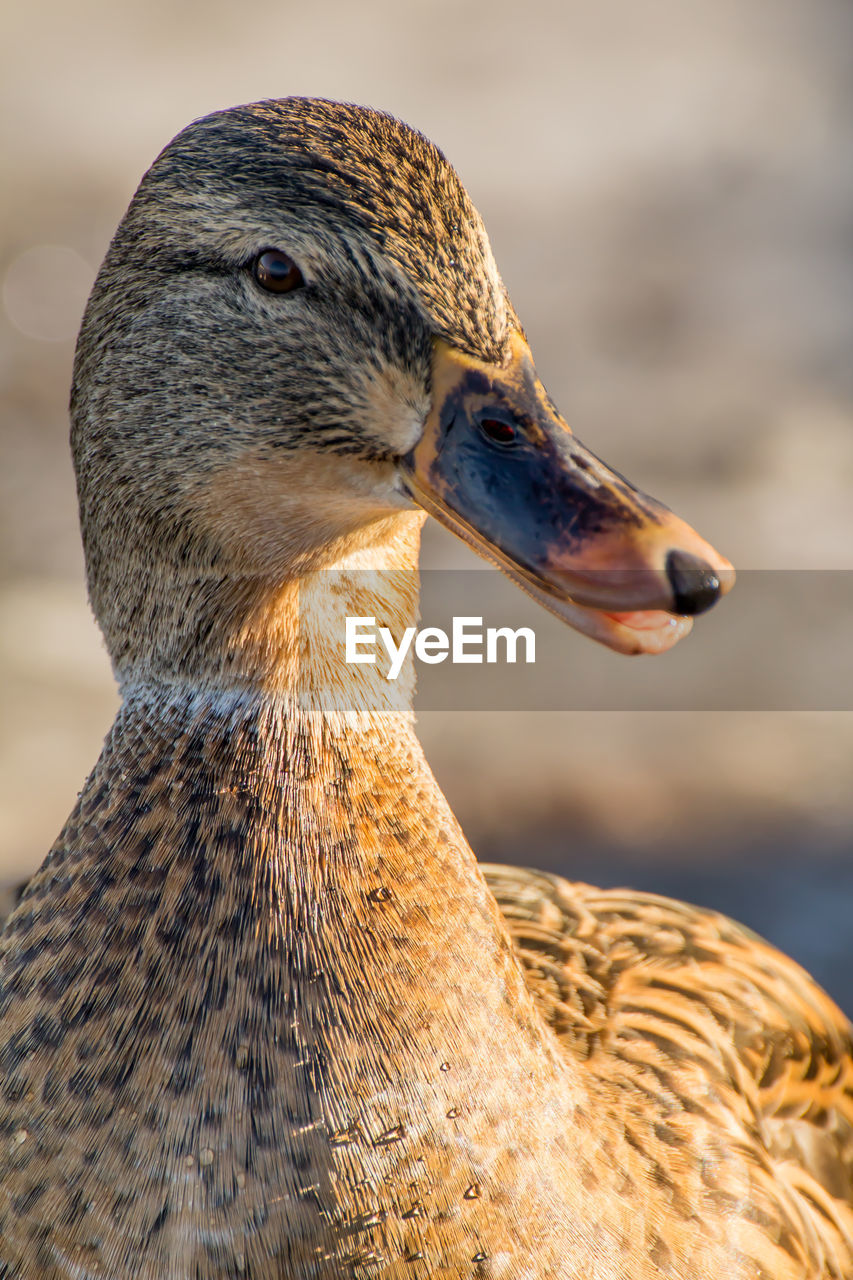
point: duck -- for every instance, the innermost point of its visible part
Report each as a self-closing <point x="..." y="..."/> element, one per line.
<point x="262" y="1013"/>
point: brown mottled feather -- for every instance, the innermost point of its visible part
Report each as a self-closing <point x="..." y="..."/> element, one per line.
<point x="694" y="1011"/>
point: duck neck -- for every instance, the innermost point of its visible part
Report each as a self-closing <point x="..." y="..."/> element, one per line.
<point x="294" y="784"/>
<point x="264" y="833"/>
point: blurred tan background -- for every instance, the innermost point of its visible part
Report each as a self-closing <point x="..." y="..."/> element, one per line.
<point x="669" y="190"/>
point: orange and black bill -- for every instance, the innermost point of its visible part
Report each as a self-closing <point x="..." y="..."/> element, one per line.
<point x="499" y="467"/>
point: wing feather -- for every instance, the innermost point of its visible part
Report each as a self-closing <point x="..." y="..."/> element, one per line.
<point x="689" y="1023"/>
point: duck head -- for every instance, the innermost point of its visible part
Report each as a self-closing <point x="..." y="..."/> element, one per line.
<point x="297" y="344"/>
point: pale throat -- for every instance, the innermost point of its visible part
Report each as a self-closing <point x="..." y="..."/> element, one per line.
<point x="294" y="641"/>
<point x="278" y="630"/>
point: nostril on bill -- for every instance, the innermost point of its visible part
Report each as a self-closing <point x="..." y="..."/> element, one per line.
<point x="695" y="585"/>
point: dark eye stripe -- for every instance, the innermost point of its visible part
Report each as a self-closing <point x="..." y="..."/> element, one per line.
<point x="276" y="272"/>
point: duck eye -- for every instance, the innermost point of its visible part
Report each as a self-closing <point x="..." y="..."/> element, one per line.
<point x="498" y="431"/>
<point x="277" y="272"/>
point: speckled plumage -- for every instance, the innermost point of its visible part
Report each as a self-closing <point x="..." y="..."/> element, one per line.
<point x="261" y="1013"/>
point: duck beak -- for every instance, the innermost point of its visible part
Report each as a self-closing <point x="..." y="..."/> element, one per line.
<point x="498" y="466"/>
